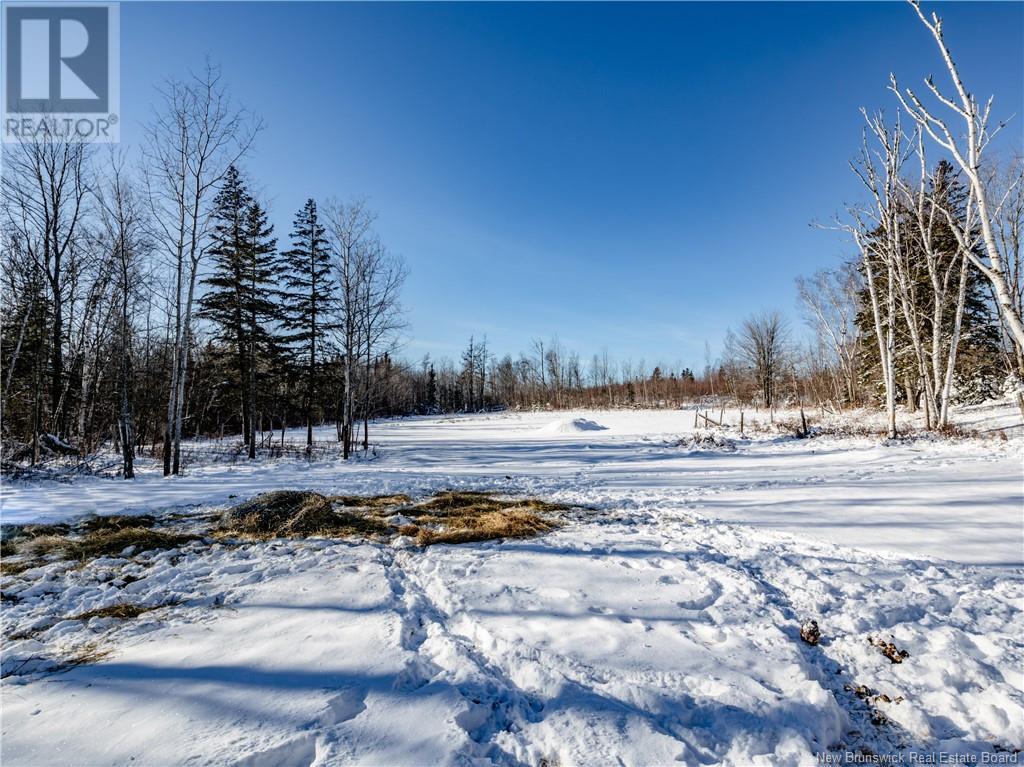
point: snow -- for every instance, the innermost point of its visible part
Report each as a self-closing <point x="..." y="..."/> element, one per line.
<point x="572" y="426"/>
<point x="911" y="497"/>
<point x="660" y="624"/>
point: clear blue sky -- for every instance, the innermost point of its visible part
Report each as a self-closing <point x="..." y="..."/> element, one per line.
<point x="631" y="176"/>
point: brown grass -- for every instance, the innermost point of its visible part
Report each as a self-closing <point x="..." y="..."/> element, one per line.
<point x="40" y="546"/>
<point x="117" y="522"/>
<point x="466" y="516"/>
<point x="15" y="536"/>
<point x="8" y="547"/>
<point x="88" y="653"/>
<point x="327" y="522"/>
<point x="113" y="542"/>
<point x="447" y="517"/>
<point x="122" y="610"/>
<point x="451" y="501"/>
<point x="482" y="526"/>
<point x="299" y="514"/>
<point x="102" y="542"/>
<point x="264" y="514"/>
<point x="372" y="501"/>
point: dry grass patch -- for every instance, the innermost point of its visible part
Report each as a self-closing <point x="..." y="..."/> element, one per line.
<point x="323" y="520"/>
<point x="105" y="542"/>
<point x="88" y="653"/>
<point x="463" y="517"/>
<point x="481" y="526"/>
<point x="372" y="501"/>
<point x="117" y="522"/>
<point x="447" y="517"/>
<point x="297" y="514"/>
<point x="264" y="514"/>
<point x="476" y="502"/>
<point x="14" y="537"/>
<point x="121" y="610"/>
<point x="95" y="537"/>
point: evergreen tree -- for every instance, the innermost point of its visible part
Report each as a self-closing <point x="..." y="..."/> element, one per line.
<point x="308" y="298"/>
<point x="978" y="352"/>
<point x="238" y="302"/>
<point x="432" y="391"/>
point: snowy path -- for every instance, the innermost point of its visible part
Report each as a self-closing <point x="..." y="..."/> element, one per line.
<point x="659" y="627"/>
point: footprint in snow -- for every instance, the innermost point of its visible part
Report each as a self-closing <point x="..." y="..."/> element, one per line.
<point x="344" y="706"/>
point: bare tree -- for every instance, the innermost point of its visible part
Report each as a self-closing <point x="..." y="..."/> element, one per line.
<point x="876" y="230"/>
<point x="1006" y="184"/>
<point x="348" y="225"/>
<point x="968" y="152"/>
<point x="763" y="344"/>
<point x="382" y="277"/>
<point x="830" y="299"/>
<point x="45" y="192"/>
<point x="123" y="222"/>
<point x="191" y="141"/>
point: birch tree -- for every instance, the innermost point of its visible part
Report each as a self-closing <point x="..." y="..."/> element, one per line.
<point x="1006" y="185"/>
<point x="192" y="139"/>
<point x="966" y="144"/>
<point x="875" y="229"/>
<point x="123" y="222"/>
<point x="348" y="225"/>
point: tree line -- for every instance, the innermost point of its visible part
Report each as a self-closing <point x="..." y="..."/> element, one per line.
<point x="150" y="302"/>
<point x="929" y="311"/>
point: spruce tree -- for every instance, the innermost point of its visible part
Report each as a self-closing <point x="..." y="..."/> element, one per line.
<point x="308" y="298"/>
<point x="262" y="311"/>
<point x="241" y="286"/>
<point x="977" y="358"/>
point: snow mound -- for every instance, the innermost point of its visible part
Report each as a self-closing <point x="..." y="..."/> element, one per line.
<point x="571" y="426"/>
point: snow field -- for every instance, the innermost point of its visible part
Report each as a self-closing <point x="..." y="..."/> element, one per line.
<point x="660" y="625"/>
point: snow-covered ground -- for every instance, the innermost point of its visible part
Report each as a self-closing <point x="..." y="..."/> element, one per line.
<point x="659" y="625"/>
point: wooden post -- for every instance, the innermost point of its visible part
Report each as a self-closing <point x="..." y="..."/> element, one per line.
<point x="803" y="420"/>
<point x="741" y="423"/>
<point x="696" y="413"/>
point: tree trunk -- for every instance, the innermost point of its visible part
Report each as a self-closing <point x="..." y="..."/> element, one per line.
<point x="252" y="399"/>
<point x="186" y="337"/>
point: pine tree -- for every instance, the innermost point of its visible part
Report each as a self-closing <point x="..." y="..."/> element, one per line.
<point x="238" y="302"/>
<point x="308" y="297"/>
<point x="263" y="313"/>
<point x="432" y="391"/>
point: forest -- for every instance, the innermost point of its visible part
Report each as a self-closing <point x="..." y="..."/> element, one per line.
<point x="147" y="301"/>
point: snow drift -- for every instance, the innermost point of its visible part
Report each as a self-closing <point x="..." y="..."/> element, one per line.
<point x="571" y="426"/>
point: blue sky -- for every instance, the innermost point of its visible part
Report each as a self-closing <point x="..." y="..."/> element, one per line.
<point x="636" y="177"/>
